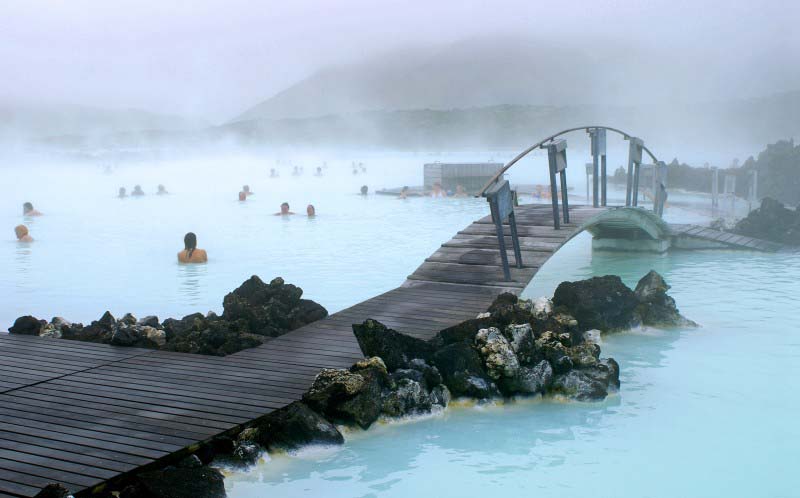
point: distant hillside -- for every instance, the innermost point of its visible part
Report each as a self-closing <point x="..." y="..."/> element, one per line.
<point x="714" y="124"/>
<point x="39" y="121"/>
<point x="509" y="70"/>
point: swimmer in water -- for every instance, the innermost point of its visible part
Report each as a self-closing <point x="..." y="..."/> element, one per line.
<point x="364" y="190"/>
<point x="162" y="190"/>
<point x="242" y="196"/>
<point x="437" y="190"/>
<point x="191" y="254"/>
<point x="246" y="190"/>
<point x="460" y="192"/>
<point x="21" y="231"/>
<point x="310" y="211"/>
<point x="137" y="191"/>
<point x="319" y="171"/>
<point x="284" y="210"/>
<point x="122" y="193"/>
<point x="403" y="193"/>
<point x="27" y="210"/>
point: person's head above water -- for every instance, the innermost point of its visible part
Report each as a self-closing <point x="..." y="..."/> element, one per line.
<point x="190" y="253"/>
<point x="246" y="189"/>
<point x="28" y="210"/>
<point x="162" y="190"/>
<point x="310" y="211"/>
<point x="364" y="190"/>
<point x="122" y="192"/>
<point x="21" y="231"/>
<point x="190" y="242"/>
<point x="285" y="208"/>
<point x="137" y="190"/>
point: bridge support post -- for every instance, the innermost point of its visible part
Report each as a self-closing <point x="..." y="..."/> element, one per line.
<point x="501" y="204"/>
<point x="660" y="187"/>
<point x="557" y="159"/>
<point x="598" y="137"/>
<point x="634" y="162"/>
<point x="604" y="181"/>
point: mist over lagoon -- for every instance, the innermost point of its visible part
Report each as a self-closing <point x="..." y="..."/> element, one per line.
<point x="251" y="248"/>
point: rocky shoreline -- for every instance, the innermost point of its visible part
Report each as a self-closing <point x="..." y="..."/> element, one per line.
<point x="516" y="348"/>
<point x="771" y="221"/>
<point x="252" y="313"/>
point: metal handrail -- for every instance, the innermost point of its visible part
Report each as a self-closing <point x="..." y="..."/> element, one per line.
<point x="530" y="149"/>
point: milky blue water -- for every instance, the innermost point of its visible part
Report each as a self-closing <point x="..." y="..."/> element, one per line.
<point x="708" y="412"/>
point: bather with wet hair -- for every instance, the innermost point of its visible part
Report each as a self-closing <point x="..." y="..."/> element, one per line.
<point x="284" y="210"/>
<point x="190" y="253"/>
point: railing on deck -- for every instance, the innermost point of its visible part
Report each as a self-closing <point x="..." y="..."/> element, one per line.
<point x="557" y="159"/>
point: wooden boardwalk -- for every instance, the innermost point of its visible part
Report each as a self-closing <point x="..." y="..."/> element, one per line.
<point x="81" y="414"/>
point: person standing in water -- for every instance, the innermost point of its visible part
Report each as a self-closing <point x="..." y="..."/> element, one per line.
<point x="364" y="190"/>
<point x="27" y="210"/>
<point x="284" y="210"/>
<point x="122" y="193"/>
<point x="403" y="193"/>
<point x="137" y="191"/>
<point x="191" y="254"/>
<point x="162" y="190"/>
<point x="246" y="190"/>
<point x="310" y="211"/>
<point x="21" y="231"/>
<point x="437" y="190"/>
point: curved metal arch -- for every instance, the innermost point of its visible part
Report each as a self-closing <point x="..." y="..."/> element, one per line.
<point x="551" y="137"/>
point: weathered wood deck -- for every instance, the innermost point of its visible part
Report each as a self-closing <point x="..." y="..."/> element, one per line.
<point x="81" y="414"/>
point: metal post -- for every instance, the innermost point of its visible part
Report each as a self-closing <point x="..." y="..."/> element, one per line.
<point x="604" y="177"/>
<point x="557" y="159"/>
<point x="564" y="201"/>
<point x="629" y="185"/>
<point x="512" y="222"/>
<point x="501" y="240"/>
<point x="714" y="189"/>
<point x="598" y="136"/>
<point x="634" y="161"/>
<point x="588" y="174"/>
<point x="554" y="192"/>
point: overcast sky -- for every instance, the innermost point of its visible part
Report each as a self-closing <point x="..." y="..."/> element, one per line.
<point x="213" y="59"/>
